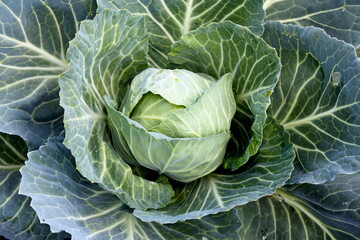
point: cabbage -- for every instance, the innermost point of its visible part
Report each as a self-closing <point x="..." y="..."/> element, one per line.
<point x="179" y="119"/>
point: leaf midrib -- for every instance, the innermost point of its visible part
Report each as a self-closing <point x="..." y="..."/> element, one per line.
<point x="61" y="63"/>
<point x="292" y="201"/>
<point x="311" y="118"/>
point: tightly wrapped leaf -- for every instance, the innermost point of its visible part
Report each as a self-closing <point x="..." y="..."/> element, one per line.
<point x="175" y="122"/>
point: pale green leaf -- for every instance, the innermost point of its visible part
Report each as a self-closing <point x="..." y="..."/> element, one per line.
<point x="210" y="114"/>
<point x="152" y="109"/>
<point x="317" y="101"/>
<point x="177" y="86"/>
<point x="182" y="159"/>
<point x="34" y="36"/>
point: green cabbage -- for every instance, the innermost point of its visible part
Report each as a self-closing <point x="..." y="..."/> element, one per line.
<point x="179" y="119"/>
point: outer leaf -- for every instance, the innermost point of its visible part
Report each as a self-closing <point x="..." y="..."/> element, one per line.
<point x="228" y="48"/>
<point x="339" y="18"/>
<point x="270" y="218"/>
<point x="317" y="101"/>
<point x="67" y="201"/>
<point x="105" y="55"/>
<point x="167" y="21"/>
<point x="17" y="219"/>
<point x="307" y="211"/>
<point x="334" y="205"/>
<point x="34" y="36"/>
<point x="266" y="171"/>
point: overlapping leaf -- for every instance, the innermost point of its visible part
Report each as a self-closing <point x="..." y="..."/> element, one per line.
<point x="334" y="205"/>
<point x="307" y="211"/>
<point x="34" y="36"/>
<point x="269" y="218"/>
<point x="317" y="100"/>
<point x="167" y="21"/>
<point x="108" y="52"/>
<point x="57" y="189"/>
<point x="17" y="219"/>
<point x="223" y="48"/>
<point x="339" y="18"/>
<point x="182" y="159"/>
<point x="266" y="171"/>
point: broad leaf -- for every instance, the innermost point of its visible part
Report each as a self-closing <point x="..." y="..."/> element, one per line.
<point x="67" y="201"/>
<point x="266" y="171"/>
<point x="339" y="18"/>
<point x="271" y="218"/>
<point x="108" y="52"/>
<point x="167" y="21"/>
<point x="306" y="211"/>
<point x="17" y="219"/>
<point x="34" y="36"/>
<point x="334" y="205"/>
<point x="229" y="48"/>
<point x="317" y="101"/>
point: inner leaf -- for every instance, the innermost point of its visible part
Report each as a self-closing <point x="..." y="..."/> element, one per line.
<point x="153" y="110"/>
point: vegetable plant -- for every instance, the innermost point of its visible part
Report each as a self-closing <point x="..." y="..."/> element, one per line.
<point x="179" y="119"/>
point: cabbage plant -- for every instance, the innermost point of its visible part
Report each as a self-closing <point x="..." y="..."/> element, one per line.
<point x="179" y="119"/>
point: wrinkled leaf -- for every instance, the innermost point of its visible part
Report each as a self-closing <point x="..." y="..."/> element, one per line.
<point x="67" y="201"/>
<point x="334" y="205"/>
<point x="339" y="18"/>
<point x="266" y="171"/>
<point x="34" y="36"/>
<point x="228" y="48"/>
<point x="269" y="218"/>
<point x="108" y="52"/>
<point x="317" y="101"/>
<point x="167" y="21"/>
<point x="306" y="211"/>
<point x="18" y="220"/>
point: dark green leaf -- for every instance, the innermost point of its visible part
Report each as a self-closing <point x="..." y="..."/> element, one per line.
<point x="317" y="101"/>
<point x="167" y="21"/>
<point x="67" y="201"/>
<point x="306" y="212"/>
<point x="34" y="36"/>
<point x="270" y="218"/>
<point x="334" y="206"/>
<point x="339" y="18"/>
<point x="229" y="48"/>
<point x="18" y="220"/>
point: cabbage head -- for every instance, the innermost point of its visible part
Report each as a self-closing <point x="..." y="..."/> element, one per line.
<point x="231" y="119"/>
<point x="181" y="118"/>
